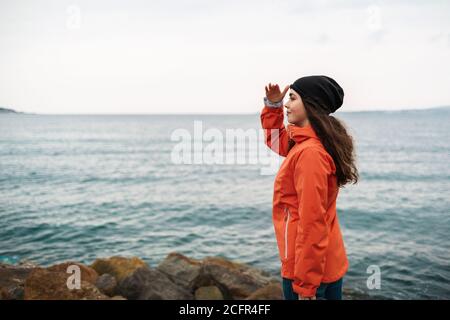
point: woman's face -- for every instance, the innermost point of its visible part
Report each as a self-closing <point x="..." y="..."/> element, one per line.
<point x="296" y="112"/>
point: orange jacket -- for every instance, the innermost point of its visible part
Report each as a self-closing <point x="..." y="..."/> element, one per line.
<point x="306" y="225"/>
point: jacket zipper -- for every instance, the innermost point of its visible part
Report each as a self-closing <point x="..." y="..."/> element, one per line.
<point x="286" y="232"/>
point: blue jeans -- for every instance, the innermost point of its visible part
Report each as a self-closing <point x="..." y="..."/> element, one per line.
<point x="326" y="291"/>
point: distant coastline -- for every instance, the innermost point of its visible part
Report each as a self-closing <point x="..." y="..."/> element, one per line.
<point x="439" y="108"/>
<point x="4" y="110"/>
<point x="7" y="110"/>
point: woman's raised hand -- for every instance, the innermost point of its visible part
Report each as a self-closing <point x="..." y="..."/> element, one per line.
<point x="274" y="94"/>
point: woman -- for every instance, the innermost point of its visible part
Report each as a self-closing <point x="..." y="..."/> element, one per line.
<point x="319" y="160"/>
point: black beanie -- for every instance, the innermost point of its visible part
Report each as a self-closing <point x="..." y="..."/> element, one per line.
<point x="326" y="92"/>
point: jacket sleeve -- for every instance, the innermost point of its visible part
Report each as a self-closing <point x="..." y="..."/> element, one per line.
<point x="275" y="134"/>
<point x="311" y="183"/>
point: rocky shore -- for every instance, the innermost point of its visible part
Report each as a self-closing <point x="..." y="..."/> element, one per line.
<point x="177" y="277"/>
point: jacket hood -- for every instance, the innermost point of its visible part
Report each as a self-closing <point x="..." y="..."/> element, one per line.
<point x="299" y="134"/>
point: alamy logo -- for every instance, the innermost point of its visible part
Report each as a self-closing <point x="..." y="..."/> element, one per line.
<point x="232" y="147"/>
<point x="74" y="281"/>
<point x="374" y="280"/>
<point x="74" y="17"/>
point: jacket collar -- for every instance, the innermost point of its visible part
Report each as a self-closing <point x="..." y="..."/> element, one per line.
<point x="299" y="134"/>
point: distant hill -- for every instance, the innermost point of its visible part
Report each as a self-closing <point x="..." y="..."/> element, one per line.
<point x="444" y="108"/>
<point x="6" y="110"/>
<point x="418" y="110"/>
<point x="440" y="109"/>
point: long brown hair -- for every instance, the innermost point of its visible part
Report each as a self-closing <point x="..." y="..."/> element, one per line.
<point x="335" y="139"/>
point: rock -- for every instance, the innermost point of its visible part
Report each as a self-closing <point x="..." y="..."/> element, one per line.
<point x="118" y="298"/>
<point x="208" y="293"/>
<point x="87" y="274"/>
<point x="272" y="291"/>
<point x="27" y="264"/>
<point x="151" y="284"/>
<point x="12" y="293"/>
<point x="235" y="280"/>
<point x="118" y="267"/>
<point x="44" y="284"/>
<point x="107" y="284"/>
<point x="182" y="270"/>
<point x="12" y="280"/>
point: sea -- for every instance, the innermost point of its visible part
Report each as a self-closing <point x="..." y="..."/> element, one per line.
<point x="80" y="187"/>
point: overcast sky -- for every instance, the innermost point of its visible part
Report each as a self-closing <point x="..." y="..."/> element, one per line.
<point x="136" y="56"/>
